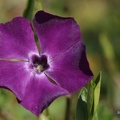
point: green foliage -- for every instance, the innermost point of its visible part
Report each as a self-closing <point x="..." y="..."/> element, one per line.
<point x="88" y="100"/>
<point x="29" y="9"/>
<point x="32" y="7"/>
<point x="97" y="91"/>
<point x="81" y="112"/>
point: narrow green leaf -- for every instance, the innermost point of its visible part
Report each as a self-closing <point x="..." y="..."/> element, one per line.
<point x="31" y="8"/>
<point x="90" y="98"/>
<point x="97" y="91"/>
<point x="28" y="12"/>
<point x="81" y="111"/>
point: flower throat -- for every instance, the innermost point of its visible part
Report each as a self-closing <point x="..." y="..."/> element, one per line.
<point x="39" y="63"/>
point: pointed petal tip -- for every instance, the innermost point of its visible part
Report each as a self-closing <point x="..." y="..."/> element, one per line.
<point x="84" y="64"/>
<point x="43" y="16"/>
<point x="63" y="32"/>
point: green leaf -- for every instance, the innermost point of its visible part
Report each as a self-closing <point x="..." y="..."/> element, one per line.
<point x="28" y="12"/>
<point x="84" y="94"/>
<point x="90" y="98"/>
<point x="32" y="7"/>
<point x="93" y="97"/>
<point x="97" y="91"/>
<point x="81" y="111"/>
<point x="95" y="117"/>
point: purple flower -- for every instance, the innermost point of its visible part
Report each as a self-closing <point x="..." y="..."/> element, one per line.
<point x="59" y="69"/>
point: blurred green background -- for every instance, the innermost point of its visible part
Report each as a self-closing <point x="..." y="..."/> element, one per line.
<point x="99" y="21"/>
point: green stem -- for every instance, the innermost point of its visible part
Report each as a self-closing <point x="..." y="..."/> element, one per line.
<point x="28" y="12"/>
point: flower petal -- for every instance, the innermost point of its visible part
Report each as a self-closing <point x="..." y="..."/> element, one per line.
<point x="40" y="93"/>
<point x="16" y="39"/>
<point x="14" y="77"/>
<point x="56" y="34"/>
<point x="71" y="70"/>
